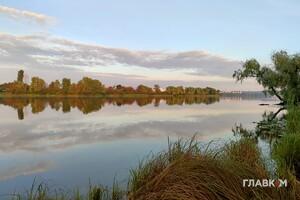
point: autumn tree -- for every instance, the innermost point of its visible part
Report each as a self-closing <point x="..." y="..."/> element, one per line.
<point x="210" y="91"/>
<point x="128" y="90"/>
<point x="37" y="85"/>
<point x="142" y="89"/>
<point x="157" y="89"/>
<point x="120" y="89"/>
<point x="20" y="76"/>
<point x="110" y="90"/>
<point x="90" y="86"/>
<point x="19" y="88"/>
<point x="172" y="90"/>
<point x="66" y="84"/>
<point x="180" y="90"/>
<point x="73" y="88"/>
<point x="199" y="91"/>
<point x="54" y="87"/>
<point x="190" y="91"/>
<point x="281" y="79"/>
<point x="16" y="87"/>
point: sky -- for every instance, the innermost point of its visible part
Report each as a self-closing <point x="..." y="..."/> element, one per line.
<point x="171" y="42"/>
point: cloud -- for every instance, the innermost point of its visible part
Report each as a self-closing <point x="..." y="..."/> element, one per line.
<point x="25" y="169"/>
<point x="45" y="51"/>
<point x="53" y="57"/>
<point x="28" y="15"/>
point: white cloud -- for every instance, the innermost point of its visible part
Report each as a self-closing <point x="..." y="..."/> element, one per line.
<point x="3" y="52"/>
<point x="47" y="51"/>
<point x="28" y="15"/>
<point x="53" y="58"/>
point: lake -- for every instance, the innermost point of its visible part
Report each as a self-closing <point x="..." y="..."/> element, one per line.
<point x="67" y="141"/>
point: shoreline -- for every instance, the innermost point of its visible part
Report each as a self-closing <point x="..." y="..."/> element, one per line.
<point x="102" y="96"/>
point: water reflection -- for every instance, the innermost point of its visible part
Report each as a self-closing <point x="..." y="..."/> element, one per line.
<point x="66" y="140"/>
<point x="25" y="169"/>
<point x="269" y="129"/>
<point x="53" y="130"/>
<point x="88" y="105"/>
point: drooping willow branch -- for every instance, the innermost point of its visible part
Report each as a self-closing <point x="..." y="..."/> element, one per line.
<point x="276" y="113"/>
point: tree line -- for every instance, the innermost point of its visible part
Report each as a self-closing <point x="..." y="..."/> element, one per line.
<point x="89" y="86"/>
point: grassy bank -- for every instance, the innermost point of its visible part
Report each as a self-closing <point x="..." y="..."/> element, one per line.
<point x="287" y="150"/>
<point x="186" y="171"/>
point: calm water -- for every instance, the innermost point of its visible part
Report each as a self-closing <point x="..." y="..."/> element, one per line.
<point x="64" y="142"/>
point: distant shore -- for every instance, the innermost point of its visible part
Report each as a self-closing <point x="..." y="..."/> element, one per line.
<point x="5" y="95"/>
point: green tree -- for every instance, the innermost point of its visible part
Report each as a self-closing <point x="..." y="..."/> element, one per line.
<point x="282" y="79"/>
<point x="20" y="76"/>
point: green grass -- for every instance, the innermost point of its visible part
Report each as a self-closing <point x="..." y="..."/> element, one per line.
<point x="95" y="192"/>
<point x="293" y="120"/>
<point x="286" y="153"/>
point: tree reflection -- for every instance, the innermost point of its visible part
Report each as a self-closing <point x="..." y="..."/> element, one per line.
<point x="38" y="105"/>
<point x="269" y="129"/>
<point x="66" y="106"/>
<point x="88" y="105"/>
<point x="20" y="113"/>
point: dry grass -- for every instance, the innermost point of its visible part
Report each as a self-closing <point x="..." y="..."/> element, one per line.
<point x="186" y="173"/>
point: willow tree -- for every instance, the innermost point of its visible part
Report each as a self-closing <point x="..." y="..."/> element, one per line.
<point x="281" y="79"/>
